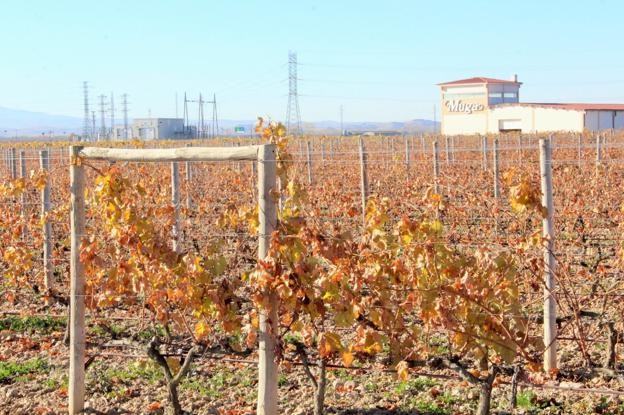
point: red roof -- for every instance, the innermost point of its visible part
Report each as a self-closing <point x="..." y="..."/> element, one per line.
<point x="480" y="80"/>
<point x="571" y="106"/>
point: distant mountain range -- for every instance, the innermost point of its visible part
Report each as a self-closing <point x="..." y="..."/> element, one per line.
<point x="22" y="123"/>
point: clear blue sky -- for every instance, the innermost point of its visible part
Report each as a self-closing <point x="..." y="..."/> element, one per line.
<point x="380" y="59"/>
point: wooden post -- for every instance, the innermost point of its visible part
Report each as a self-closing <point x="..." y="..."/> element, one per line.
<point x="407" y="152"/>
<point x="436" y="166"/>
<point x="447" y="149"/>
<point x="519" y="148"/>
<point x="22" y="157"/>
<point x="484" y="150"/>
<point x="363" y="178"/>
<point x="580" y="150"/>
<point x="496" y="169"/>
<point x="309" y="161"/>
<point x="323" y="152"/>
<point x="76" y="386"/>
<point x="331" y="148"/>
<point x="253" y="177"/>
<point x="13" y="163"/>
<point x="48" y="280"/>
<point x="550" y="310"/>
<point x="238" y="164"/>
<point x="189" y="179"/>
<point x="267" y="367"/>
<point x="598" y="150"/>
<point x="422" y="145"/>
<point x="175" y="201"/>
<point x="452" y="149"/>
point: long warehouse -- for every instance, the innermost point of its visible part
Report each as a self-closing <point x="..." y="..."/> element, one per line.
<point x="486" y="105"/>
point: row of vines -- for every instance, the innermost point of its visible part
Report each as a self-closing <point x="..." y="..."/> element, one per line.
<point x="449" y="280"/>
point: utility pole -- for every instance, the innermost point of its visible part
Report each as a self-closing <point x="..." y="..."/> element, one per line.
<point x="112" y="116"/>
<point x="176" y="102"/>
<point x="125" y="113"/>
<point x="293" y="116"/>
<point x="85" y="125"/>
<point x="102" y="119"/>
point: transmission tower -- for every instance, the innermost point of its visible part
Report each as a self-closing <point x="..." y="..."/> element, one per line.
<point x="124" y="104"/>
<point x="214" y="126"/>
<point x="93" y="130"/>
<point x="293" y="117"/>
<point x="102" y="115"/>
<point x="187" y="126"/>
<point x="215" y="118"/>
<point x="85" y="125"/>
<point x="112" y="116"/>
<point x="200" y="118"/>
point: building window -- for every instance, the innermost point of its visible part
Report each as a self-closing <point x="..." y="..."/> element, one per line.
<point x="511" y="95"/>
<point x="449" y="97"/>
<point x="496" y="95"/>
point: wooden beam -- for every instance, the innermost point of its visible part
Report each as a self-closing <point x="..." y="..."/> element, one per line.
<point x="171" y="154"/>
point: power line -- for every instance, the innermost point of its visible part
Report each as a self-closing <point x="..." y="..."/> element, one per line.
<point x="366" y="98"/>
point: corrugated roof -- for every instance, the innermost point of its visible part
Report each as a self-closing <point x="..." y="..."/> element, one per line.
<point x="567" y="106"/>
<point x="480" y="80"/>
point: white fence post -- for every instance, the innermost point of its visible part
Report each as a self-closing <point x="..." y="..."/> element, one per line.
<point x="48" y="281"/>
<point x="363" y="178"/>
<point x="77" y="285"/>
<point x="267" y="366"/>
<point x="550" y="310"/>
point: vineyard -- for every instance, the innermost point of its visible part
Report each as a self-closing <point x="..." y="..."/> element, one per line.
<point x="351" y="275"/>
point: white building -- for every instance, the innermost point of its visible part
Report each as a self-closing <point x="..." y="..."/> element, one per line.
<point x="485" y="105"/>
<point x="157" y="128"/>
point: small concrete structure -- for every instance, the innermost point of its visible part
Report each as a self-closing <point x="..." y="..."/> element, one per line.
<point x="151" y="129"/>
